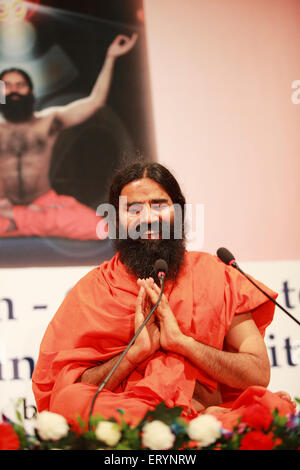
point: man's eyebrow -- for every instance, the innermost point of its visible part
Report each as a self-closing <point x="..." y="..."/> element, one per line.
<point x="157" y="201"/>
<point x="153" y="201"/>
<point x="19" y="82"/>
<point x="128" y="204"/>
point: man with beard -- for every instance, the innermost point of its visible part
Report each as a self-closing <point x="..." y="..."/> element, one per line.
<point x="28" y="204"/>
<point x="203" y="345"/>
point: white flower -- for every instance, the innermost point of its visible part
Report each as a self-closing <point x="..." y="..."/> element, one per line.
<point x="108" y="432"/>
<point x="157" y="436"/>
<point x="51" y="426"/>
<point x="205" y="429"/>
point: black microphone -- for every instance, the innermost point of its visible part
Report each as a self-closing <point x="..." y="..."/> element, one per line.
<point x="161" y="269"/>
<point x="229" y="259"/>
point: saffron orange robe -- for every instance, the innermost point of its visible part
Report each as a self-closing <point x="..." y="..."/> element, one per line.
<point x="96" y="322"/>
<point x="53" y="215"/>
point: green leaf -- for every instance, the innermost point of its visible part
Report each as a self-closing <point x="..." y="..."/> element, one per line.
<point x="96" y="419"/>
<point x="279" y="421"/>
<point x="132" y="438"/>
<point x="164" y="414"/>
<point x="233" y="443"/>
<point x="123" y="446"/>
<point x="80" y="422"/>
<point x="25" y="442"/>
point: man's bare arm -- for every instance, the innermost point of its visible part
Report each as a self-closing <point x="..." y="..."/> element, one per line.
<point x="81" y="110"/>
<point x="97" y="374"/>
<point x="246" y="363"/>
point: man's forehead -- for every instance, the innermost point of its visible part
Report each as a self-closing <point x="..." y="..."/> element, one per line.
<point x="14" y="77"/>
<point x="144" y="189"/>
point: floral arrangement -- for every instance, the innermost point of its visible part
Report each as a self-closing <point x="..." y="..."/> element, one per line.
<point x="161" y="429"/>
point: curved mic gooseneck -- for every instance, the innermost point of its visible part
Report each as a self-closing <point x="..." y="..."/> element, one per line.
<point x="229" y="259"/>
<point x="161" y="269"/>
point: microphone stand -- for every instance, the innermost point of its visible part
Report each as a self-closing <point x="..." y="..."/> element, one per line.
<point x="104" y="382"/>
<point x="235" y="265"/>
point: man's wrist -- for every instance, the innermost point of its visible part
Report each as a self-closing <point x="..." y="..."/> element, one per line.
<point x="110" y="58"/>
<point x="185" y="345"/>
<point x="130" y="360"/>
<point x="134" y="357"/>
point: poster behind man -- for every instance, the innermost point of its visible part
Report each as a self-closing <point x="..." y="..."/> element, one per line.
<point x="61" y="172"/>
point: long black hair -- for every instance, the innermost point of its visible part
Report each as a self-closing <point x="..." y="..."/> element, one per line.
<point x="138" y="170"/>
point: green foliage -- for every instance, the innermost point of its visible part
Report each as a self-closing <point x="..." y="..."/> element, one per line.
<point x="164" y="414"/>
<point x="284" y="433"/>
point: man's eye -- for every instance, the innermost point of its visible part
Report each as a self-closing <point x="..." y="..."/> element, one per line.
<point x="159" y="207"/>
<point x="134" y="209"/>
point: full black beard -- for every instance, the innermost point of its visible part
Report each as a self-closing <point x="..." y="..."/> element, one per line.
<point x="140" y="255"/>
<point x="19" y="110"/>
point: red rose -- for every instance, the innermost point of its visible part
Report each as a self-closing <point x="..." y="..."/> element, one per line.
<point x="8" y="438"/>
<point x="256" y="440"/>
<point x="257" y="417"/>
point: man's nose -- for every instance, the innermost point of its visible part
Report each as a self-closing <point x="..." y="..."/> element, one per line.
<point x="148" y="215"/>
<point x="11" y="89"/>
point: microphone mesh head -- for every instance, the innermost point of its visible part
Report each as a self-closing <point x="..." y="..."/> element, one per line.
<point x="225" y="255"/>
<point x="160" y="265"/>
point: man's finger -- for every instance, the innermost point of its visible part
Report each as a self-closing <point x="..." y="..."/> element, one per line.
<point x="151" y="292"/>
<point x="138" y="321"/>
<point x="140" y="300"/>
<point x="121" y="37"/>
<point x="123" y="40"/>
<point x="154" y="287"/>
<point x="139" y="308"/>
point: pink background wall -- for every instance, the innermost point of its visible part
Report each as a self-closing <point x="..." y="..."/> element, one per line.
<point x="225" y="122"/>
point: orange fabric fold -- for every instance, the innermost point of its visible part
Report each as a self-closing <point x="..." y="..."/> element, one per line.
<point x="53" y="215"/>
<point x="96" y="322"/>
<point x="251" y="396"/>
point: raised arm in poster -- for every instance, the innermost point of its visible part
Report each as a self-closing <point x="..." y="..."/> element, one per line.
<point x="29" y="206"/>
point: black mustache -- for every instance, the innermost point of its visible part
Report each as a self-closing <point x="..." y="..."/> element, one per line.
<point x="154" y="227"/>
<point x="12" y="95"/>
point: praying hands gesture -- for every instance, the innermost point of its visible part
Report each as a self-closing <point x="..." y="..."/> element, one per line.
<point x="170" y="335"/>
<point x="147" y="342"/>
<point x="162" y="329"/>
